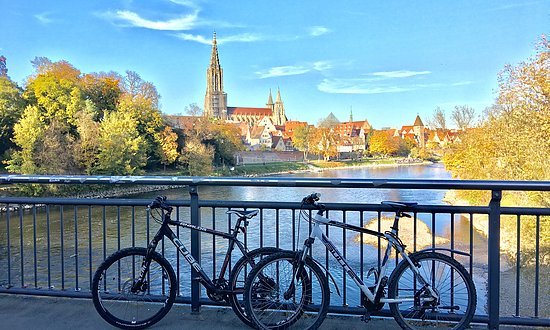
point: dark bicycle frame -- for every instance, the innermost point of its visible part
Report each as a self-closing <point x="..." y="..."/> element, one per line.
<point x="204" y="279"/>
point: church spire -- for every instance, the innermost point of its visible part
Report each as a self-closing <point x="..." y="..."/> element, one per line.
<point x="215" y="101"/>
<point x="270" y="99"/>
<point x="278" y="95"/>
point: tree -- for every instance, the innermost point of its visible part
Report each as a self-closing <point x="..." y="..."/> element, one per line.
<point x="87" y="146"/>
<point x="326" y="142"/>
<point x="193" y="110"/>
<point x="383" y="143"/>
<point x="463" y="116"/>
<point x="168" y="141"/>
<point x="197" y="157"/>
<point x="103" y="90"/>
<point x="122" y="150"/>
<point x="303" y="139"/>
<point x="3" y="67"/>
<point x="438" y="119"/>
<point x="11" y="109"/>
<point x="26" y="133"/>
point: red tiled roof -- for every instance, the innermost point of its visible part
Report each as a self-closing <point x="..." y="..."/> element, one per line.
<point x="249" y="111"/>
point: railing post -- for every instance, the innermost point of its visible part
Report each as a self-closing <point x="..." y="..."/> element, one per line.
<point x="195" y="248"/>
<point x="494" y="260"/>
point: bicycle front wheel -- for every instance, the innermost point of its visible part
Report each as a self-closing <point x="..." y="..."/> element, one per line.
<point x="275" y="299"/>
<point x="125" y="308"/>
<point x="456" y="294"/>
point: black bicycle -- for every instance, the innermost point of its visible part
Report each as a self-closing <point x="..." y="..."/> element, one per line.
<point x="135" y="287"/>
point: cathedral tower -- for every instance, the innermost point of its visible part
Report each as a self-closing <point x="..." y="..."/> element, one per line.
<point x="279" y="117"/>
<point x="215" y="100"/>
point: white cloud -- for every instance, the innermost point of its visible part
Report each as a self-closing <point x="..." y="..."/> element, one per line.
<point x="399" y="73"/>
<point x="245" y="37"/>
<point x="293" y="70"/>
<point x="462" y="83"/>
<point x="182" y="23"/>
<point x="316" y="31"/>
<point x="279" y="71"/>
<point x="358" y="86"/>
<point x="43" y="18"/>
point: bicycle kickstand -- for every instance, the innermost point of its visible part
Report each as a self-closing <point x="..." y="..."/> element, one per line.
<point x="366" y="317"/>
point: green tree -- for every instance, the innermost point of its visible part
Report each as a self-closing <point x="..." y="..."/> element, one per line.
<point x="26" y="133"/>
<point x="11" y="109"/>
<point x="86" y="148"/>
<point x="197" y="157"/>
<point x="122" y="150"/>
<point x="103" y="90"/>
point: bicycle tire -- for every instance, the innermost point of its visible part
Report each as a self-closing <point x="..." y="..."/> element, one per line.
<point x="300" y="310"/>
<point x="122" y="308"/>
<point x="237" y="280"/>
<point x="456" y="305"/>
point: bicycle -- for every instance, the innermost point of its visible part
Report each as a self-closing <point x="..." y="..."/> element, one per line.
<point x="427" y="288"/>
<point x="144" y="283"/>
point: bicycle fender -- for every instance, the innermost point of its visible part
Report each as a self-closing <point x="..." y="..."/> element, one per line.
<point x="447" y="250"/>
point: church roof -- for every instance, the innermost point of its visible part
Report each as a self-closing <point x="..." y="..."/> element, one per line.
<point x="418" y="121"/>
<point x="249" y="111"/>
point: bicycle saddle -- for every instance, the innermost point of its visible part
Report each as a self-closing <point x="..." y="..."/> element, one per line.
<point x="400" y="205"/>
<point x="243" y="214"/>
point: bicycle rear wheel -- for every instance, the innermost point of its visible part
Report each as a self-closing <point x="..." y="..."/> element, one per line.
<point x="114" y="299"/>
<point x="453" y="285"/>
<point x="238" y="277"/>
<point x="273" y="300"/>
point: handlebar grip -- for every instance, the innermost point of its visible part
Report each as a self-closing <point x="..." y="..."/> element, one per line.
<point x="311" y="199"/>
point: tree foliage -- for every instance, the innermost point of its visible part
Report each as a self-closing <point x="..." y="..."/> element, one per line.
<point x="302" y="139"/>
<point x="383" y="143"/>
<point x="11" y="109"/>
<point x="325" y="141"/>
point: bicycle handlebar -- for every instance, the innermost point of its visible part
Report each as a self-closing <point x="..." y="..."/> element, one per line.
<point x="311" y="199"/>
<point x="160" y="202"/>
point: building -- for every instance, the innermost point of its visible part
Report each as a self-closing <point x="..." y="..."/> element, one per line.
<point x="215" y="100"/>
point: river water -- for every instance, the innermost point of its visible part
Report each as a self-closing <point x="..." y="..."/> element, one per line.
<point x="70" y="244"/>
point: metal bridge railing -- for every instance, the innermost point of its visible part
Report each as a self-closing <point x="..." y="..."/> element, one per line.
<point x="52" y="246"/>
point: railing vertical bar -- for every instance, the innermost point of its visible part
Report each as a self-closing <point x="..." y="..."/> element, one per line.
<point x="34" y="246"/>
<point x="77" y="288"/>
<point x="379" y="261"/>
<point x="415" y="222"/>
<point x="104" y="229"/>
<point x="90" y="244"/>
<point x="344" y="248"/>
<point x="21" y="246"/>
<point x="294" y="229"/>
<point x="277" y="231"/>
<point x="133" y="226"/>
<point x="493" y="302"/>
<point x="178" y="264"/>
<point x="49" y="246"/>
<point x="518" y="260"/>
<point x="452" y="256"/>
<point x="261" y="227"/>
<point x="214" y="242"/>
<point x="118" y="227"/>
<point x="433" y="229"/>
<point x="62" y="230"/>
<point x="9" y="242"/>
<point x="537" y="266"/>
<point x="471" y="243"/>
<point x="148" y="227"/>
<point x="195" y="247"/>
<point x="361" y="249"/>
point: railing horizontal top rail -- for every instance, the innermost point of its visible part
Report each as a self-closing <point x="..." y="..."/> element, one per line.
<point x="456" y="209"/>
<point x="281" y="182"/>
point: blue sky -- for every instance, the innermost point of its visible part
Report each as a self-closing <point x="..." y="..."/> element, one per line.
<point x="387" y="61"/>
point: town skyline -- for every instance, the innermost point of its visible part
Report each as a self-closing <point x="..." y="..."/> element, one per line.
<point x="385" y="63"/>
